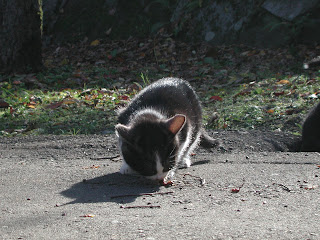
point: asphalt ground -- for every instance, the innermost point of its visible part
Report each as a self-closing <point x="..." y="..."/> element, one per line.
<point x="58" y="187"/>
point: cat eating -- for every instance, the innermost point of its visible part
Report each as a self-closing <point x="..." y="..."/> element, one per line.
<point x="160" y="128"/>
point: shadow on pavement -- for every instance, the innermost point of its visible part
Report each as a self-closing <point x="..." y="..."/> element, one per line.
<point x="113" y="187"/>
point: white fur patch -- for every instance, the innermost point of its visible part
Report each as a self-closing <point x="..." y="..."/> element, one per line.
<point x="183" y="157"/>
<point x="160" y="174"/>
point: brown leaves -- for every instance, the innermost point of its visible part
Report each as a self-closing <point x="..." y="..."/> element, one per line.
<point x="284" y="81"/>
<point x="243" y="93"/>
<point x="4" y="104"/>
<point x="216" y="98"/>
<point x="277" y="94"/>
<point x="54" y="105"/>
<point x="270" y="111"/>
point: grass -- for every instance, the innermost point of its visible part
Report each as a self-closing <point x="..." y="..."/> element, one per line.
<point x="278" y="104"/>
<point x="77" y="110"/>
<point x="70" y="101"/>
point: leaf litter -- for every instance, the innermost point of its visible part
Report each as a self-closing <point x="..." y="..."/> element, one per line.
<point x="86" y="82"/>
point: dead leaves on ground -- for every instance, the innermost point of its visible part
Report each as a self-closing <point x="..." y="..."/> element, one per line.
<point x="107" y="64"/>
<point x="165" y="55"/>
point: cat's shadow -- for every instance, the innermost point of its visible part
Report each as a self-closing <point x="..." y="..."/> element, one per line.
<point x="113" y="187"/>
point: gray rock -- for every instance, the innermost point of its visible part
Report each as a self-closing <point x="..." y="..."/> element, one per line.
<point x="289" y="9"/>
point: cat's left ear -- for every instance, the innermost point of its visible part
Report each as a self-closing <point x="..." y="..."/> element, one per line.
<point x="176" y="123"/>
<point x="123" y="131"/>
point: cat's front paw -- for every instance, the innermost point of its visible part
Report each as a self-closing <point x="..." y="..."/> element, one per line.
<point x="187" y="162"/>
<point x="126" y="169"/>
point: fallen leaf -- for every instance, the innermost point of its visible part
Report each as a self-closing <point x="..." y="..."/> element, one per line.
<point x="88" y="216"/>
<point x="262" y="52"/>
<point x="91" y="167"/>
<point x="243" y="93"/>
<point x="270" y="111"/>
<point x="278" y="93"/>
<point x="64" y="61"/>
<point x="313" y="96"/>
<point x="54" y="105"/>
<point x="77" y="74"/>
<point x="109" y="30"/>
<point x="216" y="98"/>
<point x="4" y="104"/>
<point x="95" y="43"/>
<point x="30" y="105"/>
<point x="283" y="82"/>
<point x="16" y="82"/>
<point x="69" y="101"/>
<point x="120" y="59"/>
<point x="142" y="55"/>
<point x="290" y="111"/>
<point x="123" y="97"/>
<point x="245" y="54"/>
<point x="84" y="92"/>
<point x="310" y="187"/>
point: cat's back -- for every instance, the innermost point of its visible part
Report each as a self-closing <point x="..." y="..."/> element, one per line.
<point x="165" y="87"/>
<point x="170" y="95"/>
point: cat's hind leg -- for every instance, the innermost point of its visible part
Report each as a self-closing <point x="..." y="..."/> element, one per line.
<point x="189" y="146"/>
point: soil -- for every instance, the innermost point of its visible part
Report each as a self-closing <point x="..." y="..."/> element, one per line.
<point x="105" y="146"/>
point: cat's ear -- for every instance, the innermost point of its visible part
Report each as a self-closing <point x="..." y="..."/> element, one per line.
<point x="123" y="131"/>
<point x="176" y="123"/>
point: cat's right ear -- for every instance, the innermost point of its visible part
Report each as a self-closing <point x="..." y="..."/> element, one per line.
<point x="176" y="123"/>
<point x="123" y="131"/>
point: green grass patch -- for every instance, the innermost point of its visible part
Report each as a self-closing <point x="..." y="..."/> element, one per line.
<point x="69" y="100"/>
<point x="270" y="104"/>
<point x="56" y="110"/>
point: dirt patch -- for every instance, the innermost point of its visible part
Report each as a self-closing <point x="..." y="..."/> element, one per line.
<point x="104" y="147"/>
<point x="257" y="141"/>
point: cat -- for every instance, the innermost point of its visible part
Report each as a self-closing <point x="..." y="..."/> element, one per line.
<point x="159" y="129"/>
<point x="311" y="131"/>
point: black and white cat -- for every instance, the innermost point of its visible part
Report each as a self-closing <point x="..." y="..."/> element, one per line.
<point x="311" y="131"/>
<point x="159" y="129"/>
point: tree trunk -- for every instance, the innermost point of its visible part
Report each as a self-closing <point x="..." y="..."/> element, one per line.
<point x="20" y="36"/>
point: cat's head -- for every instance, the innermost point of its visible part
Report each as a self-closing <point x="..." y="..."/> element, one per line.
<point x="149" y="146"/>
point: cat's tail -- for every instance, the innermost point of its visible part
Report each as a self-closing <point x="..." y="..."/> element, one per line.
<point x="208" y="142"/>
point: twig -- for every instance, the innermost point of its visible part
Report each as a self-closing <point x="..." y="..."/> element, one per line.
<point x="285" y="188"/>
<point x="146" y="206"/>
<point x="202" y="180"/>
<point x="140" y="194"/>
<point x="101" y="158"/>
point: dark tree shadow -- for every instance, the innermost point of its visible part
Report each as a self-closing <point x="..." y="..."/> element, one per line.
<point x="113" y="187"/>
